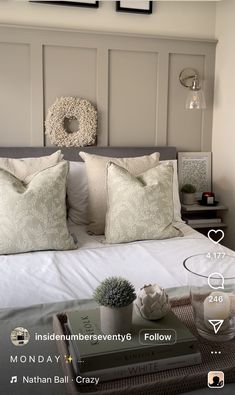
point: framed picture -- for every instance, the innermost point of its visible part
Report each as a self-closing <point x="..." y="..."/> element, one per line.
<point x="195" y="168"/>
<point x="136" y="6"/>
<point x="84" y="3"/>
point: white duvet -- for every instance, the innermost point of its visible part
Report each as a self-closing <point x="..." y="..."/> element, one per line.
<point x="53" y="276"/>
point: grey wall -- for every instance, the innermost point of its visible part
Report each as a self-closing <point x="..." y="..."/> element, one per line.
<point x="133" y="81"/>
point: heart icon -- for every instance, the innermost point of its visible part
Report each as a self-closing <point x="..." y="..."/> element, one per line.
<point x="216" y="233"/>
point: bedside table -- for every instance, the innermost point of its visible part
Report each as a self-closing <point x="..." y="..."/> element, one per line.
<point x="203" y="218"/>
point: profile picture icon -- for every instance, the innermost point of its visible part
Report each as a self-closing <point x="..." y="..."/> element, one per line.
<point x="216" y="379"/>
<point x="20" y="336"/>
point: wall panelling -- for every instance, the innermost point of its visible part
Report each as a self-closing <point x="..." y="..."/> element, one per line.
<point x="133" y="81"/>
<point x="14" y="93"/>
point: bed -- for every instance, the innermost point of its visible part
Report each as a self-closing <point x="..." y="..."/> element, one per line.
<point x="52" y="276"/>
<point x="55" y="276"/>
<point x="34" y="285"/>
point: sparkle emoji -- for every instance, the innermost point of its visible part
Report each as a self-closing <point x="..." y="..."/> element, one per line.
<point x="68" y="358"/>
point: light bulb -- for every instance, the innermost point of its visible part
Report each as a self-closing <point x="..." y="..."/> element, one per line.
<point x="195" y="100"/>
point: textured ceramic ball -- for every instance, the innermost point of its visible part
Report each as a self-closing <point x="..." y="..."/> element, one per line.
<point x="152" y="302"/>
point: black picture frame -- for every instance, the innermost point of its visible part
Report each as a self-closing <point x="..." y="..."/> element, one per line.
<point x="69" y="3"/>
<point x="120" y="8"/>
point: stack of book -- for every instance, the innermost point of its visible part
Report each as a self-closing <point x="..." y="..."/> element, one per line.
<point x="113" y="359"/>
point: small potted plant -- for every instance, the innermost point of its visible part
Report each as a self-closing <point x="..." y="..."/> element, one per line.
<point x="115" y="295"/>
<point x="188" y="194"/>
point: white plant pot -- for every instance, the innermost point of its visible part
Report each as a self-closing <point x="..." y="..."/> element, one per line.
<point x="116" y="320"/>
<point x="188" y="198"/>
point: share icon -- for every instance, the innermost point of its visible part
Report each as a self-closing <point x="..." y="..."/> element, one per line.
<point x="216" y="324"/>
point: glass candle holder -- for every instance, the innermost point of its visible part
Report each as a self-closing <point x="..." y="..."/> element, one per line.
<point x="211" y="279"/>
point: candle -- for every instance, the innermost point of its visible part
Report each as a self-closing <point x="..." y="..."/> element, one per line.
<point x="217" y="306"/>
<point x="208" y="198"/>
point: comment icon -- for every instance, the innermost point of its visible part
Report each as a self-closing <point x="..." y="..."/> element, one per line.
<point x="216" y="280"/>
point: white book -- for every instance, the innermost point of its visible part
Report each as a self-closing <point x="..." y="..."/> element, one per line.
<point x="140" y="368"/>
<point x="203" y="221"/>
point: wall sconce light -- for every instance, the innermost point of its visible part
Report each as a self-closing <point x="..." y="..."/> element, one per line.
<point x="195" y="99"/>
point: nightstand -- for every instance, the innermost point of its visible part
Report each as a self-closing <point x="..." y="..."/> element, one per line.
<point x="204" y="218"/>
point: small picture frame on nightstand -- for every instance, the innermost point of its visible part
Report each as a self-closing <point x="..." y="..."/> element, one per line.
<point x="195" y="168"/>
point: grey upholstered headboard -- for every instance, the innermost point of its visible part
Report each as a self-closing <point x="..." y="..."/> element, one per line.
<point x="72" y="153"/>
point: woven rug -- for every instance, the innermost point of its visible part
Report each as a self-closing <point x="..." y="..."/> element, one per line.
<point x="174" y="381"/>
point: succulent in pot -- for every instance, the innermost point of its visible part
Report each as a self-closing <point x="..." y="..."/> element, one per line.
<point x="188" y="194"/>
<point x="115" y="295"/>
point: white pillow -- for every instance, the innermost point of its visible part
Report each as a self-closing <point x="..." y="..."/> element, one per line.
<point x="176" y="198"/>
<point x="25" y="168"/>
<point x="77" y="193"/>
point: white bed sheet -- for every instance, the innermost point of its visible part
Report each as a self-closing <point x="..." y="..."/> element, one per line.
<point x="53" y="276"/>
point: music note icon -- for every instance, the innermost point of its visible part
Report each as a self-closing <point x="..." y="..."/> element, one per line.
<point x="13" y="379"/>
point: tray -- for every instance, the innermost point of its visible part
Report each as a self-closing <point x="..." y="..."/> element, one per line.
<point x="208" y="205"/>
<point x="170" y="382"/>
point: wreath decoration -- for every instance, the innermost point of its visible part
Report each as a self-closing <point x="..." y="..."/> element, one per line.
<point x="71" y="108"/>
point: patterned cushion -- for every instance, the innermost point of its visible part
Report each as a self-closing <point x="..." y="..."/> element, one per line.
<point x="141" y="207"/>
<point x="33" y="216"/>
<point x="96" y="174"/>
